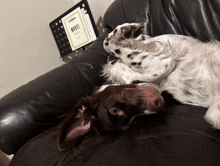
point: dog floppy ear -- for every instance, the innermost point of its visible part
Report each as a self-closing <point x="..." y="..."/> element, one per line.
<point x="75" y="127"/>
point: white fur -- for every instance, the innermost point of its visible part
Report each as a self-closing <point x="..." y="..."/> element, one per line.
<point x="183" y="66"/>
<point x="147" y="112"/>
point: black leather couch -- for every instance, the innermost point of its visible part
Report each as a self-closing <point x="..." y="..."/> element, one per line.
<point x="177" y="137"/>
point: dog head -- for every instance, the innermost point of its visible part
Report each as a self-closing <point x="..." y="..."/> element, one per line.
<point x="111" y="108"/>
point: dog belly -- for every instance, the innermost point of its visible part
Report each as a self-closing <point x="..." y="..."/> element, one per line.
<point x="189" y="90"/>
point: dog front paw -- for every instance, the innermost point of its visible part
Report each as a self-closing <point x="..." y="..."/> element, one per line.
<point x="131" y="30"/>
<point x="128" y="30"/>
<point x="121" y="33"/>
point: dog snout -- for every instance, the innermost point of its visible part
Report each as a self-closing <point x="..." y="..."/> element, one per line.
<point x="155" y="102"/>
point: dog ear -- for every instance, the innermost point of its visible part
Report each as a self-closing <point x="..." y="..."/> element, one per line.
<point x="76" y="126"/>
<point x="73" y="130"/>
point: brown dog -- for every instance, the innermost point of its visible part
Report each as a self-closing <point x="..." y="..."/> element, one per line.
<point x="110" y="109"/>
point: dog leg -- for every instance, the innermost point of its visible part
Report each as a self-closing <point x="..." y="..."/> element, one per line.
<point x="122" y="74"/>
<point x="213" y="115"/>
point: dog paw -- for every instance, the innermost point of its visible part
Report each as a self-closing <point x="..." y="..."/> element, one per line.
<point x="131" y="30"/>
<point x="121" y="33"/>
<point x="212" y="116"/>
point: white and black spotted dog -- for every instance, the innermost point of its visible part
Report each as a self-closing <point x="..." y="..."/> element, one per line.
<point x="181" y="65"/>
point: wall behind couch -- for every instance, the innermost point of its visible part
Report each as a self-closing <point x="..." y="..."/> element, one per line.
<point x="27" y="47"/>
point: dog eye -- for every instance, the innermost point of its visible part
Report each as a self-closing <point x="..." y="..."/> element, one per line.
<point x="116" y="111"/>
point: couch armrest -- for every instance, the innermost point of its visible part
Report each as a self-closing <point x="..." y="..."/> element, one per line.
<point x="36" y="106"/>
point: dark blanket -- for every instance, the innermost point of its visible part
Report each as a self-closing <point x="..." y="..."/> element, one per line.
<point x="178" y="137"/>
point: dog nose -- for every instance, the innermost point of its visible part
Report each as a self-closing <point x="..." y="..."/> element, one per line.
<point x="156" y="104"/>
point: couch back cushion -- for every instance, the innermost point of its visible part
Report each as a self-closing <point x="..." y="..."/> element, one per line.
<point x="197" y="18"/>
